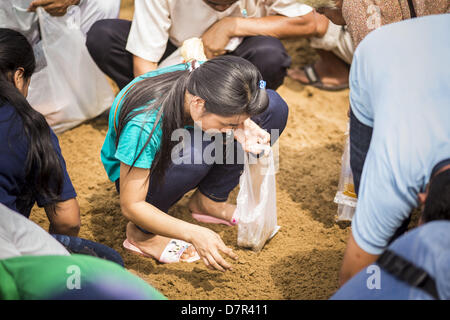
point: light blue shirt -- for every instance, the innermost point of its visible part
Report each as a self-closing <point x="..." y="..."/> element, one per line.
<point x="400" y="86"/>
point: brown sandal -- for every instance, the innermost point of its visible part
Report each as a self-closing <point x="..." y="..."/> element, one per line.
<point x="314" y="79"/>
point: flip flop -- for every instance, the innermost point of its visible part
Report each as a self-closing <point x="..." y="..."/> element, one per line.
<point x="315" y="81"/>
<point x="209" y="219"/>
<point x="171" y="253"/>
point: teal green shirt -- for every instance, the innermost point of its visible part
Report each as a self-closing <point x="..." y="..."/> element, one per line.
<point x="134" y="134"/>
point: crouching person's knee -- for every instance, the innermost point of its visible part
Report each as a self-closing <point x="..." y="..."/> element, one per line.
<point x="106" y="9"/>
<point x="64" y="217"/>
<point x="276" y="115"/>
<point x="99" y="39"/>
<point x="272" y="60"/>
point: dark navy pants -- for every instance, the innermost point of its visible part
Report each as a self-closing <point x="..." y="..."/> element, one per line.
<point x="90" y="248"/>
<point x="107" y="39"/>
<point x="217" y="179"/>
<point x="360" y="137"/>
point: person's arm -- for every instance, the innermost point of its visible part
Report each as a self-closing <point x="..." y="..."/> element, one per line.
<point x="148" y="35"/>
<point x="53" y="7"/>
<point x="385" y="199"/>
<point x="355" y="259"/>
<point x="64" y="217"/>
<point x="334" y="14"/>
<point x="281" y="27"/>
<point x="134" y="185"/>
<point x="219" y="34"/>
<point x="142" y="66"/>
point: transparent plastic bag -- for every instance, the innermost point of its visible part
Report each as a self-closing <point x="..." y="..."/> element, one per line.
<point x="256" y="202"/>
<point x="69" y="88"/>
<point x="192" y="48"/>
<point x="345" y="196"/>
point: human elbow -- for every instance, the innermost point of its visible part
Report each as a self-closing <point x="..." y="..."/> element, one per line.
<point x="66" y="228"/>
<point x="73" y="228"/>
<point x="304" y="26"/>
<point x="126" y="208"/>
<point x="344" y="276"/>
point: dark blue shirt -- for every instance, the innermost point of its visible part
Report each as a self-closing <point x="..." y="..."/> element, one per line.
<point x="16" y="192"/>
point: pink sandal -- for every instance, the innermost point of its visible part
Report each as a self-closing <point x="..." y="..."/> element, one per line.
<point x="209" y="219"/>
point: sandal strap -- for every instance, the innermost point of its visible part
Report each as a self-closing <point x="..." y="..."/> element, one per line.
<point x="173" y="251"/>
<point x="311" y="74"/>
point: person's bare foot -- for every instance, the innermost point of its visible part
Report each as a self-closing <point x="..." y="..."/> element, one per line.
<point x="330" y="70"/>
<point x="153" y="244"/>
<point x="199" y="203"/>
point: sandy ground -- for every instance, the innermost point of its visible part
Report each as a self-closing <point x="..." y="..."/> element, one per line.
<point x="301" y="262"/>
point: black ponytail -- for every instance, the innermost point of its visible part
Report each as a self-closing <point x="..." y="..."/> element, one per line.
<point x="42" y="164"/>
<point x="229" y="85"/>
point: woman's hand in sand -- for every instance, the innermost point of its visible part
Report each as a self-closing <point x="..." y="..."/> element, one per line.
<point x="208" y="245"/>
<point x="252" y="138"/>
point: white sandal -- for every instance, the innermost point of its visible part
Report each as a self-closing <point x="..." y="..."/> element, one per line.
<point x="171" y="254"/>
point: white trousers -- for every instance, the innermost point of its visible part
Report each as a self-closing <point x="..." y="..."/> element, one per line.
<point x="337" y="40"/>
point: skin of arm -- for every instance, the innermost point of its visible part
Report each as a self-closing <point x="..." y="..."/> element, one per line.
<point x="53" y="7"/>
<point x="64" y="217"/>
<point x="142" y="66"/>
<point x="334" y="14"/>
<point x="355" y="259"/>
<point x="218" y="35"/>
<point x="133" y="191"/>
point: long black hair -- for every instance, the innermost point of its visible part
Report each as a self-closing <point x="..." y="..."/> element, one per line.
<point x="42" y="166"/>
<point x="229" y="85"/>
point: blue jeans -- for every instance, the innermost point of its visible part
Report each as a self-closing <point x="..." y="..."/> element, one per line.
<point x="87" y="247"/>
<point x="214" y="180"/>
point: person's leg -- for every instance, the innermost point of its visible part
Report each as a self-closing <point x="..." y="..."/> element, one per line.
<point x="215" y="181"/>
<point x="87" y="247"/>
<point x="328" y="73"/>
<point x="337" y="40"/>
<point x="180" y="178"/>
<point x="335" y="49"/>
<point x="95" y="10"/>
<point x="183" y="176"/>
<point x="360" y="136"/>
<point x="106" y="42"/>
<point x="274" y="119"/>
<point x="212" y="193"/>
<point x="268" y="55"/>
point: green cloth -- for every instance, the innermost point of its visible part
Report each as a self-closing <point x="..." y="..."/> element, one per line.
<point x="53" y="277"/>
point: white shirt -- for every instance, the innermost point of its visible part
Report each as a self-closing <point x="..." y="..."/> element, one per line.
<point x="22" y="237"/>
<point x="157" y="21"/>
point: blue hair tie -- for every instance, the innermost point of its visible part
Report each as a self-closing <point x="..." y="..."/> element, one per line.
<point x="262" y="84"/>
